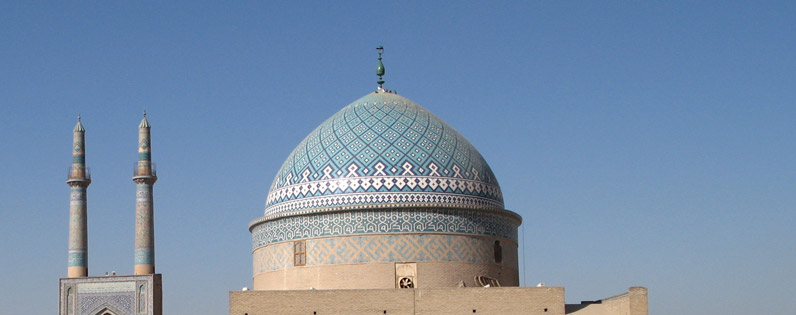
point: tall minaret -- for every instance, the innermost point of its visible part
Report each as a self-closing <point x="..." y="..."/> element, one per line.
<point x="78" y="180"/>
<point x="144" y="176"/>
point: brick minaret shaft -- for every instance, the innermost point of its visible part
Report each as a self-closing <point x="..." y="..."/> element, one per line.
<point x="78" y="180"/>
<point x="144" y="176"/>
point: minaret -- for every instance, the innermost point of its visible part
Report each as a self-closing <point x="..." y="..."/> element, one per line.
<point x="144" y="176"/>
<point x="78" y="180"/>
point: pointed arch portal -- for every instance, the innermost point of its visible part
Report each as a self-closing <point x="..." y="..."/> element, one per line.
<point x="106" y="312"/>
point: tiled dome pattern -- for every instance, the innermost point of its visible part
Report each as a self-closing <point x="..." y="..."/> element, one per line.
<point x="383" y="150"/>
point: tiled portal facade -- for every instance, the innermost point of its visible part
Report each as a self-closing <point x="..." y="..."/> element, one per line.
<point x="111" y="295"/>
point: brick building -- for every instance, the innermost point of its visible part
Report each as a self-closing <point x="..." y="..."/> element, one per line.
<point x="386" y="209"/>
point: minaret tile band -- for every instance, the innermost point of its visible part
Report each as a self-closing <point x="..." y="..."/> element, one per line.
<point x="78" y="180"/>
<point x="144" y="176"/>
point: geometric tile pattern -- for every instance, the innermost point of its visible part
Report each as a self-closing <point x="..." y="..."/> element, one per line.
<point x="119" y="302"/>
<point x="277" y="256"/>
<point x="501" y="224"/>
<point x="353" y="201"/>
<point x="118" y="294"/>
<point x="383" y="248"/>
<point x="383" y="144"/>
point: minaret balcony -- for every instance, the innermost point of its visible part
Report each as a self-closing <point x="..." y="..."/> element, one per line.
<point x="78" y="174"/>
<point x="144" y="170"/>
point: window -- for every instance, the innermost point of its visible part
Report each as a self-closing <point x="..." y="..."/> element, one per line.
<point x="498" y="252"/>
<point x="70" y="301"/>
<point x="299" y="253"/>
<point x="142" y="298"/>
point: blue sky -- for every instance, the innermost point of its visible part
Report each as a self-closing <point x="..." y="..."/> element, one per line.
<point x="644" y="143"/>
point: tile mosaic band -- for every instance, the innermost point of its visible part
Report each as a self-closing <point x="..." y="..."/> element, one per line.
<point x="448" y="221"/>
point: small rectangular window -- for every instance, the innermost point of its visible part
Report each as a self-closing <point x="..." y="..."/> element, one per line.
<point x="142" y="298"/>
<point x="70" y="301"/>
<point x="299" y="253"/>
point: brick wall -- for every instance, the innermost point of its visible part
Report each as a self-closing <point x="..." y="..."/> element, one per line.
<point x="634" y="302"/>
<point x="504" y="300"/>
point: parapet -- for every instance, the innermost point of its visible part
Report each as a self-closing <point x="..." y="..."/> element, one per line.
<point x="633" y="302"/>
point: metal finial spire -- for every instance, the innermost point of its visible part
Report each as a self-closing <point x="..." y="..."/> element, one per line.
<point x="79" y="125"/>
<point x="380" y="68"/>
<point x="144" y="123"/>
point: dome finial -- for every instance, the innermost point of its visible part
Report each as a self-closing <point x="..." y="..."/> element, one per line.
<point x="144" y="112"/>
<point x="380" y="68"/>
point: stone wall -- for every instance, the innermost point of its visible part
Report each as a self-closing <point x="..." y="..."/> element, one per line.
<point x="381" y="276"/>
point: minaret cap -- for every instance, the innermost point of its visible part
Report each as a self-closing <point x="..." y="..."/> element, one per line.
<point x="144" y="123"/>
<point x="79" y="126"/>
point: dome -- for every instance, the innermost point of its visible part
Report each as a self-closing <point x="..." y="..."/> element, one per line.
<point x="382" y="151"/>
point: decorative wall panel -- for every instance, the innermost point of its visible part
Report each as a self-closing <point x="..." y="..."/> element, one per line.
<point x="384" y="248"/>
<point x="385" y="221"/>
<point x="117" y="294"/>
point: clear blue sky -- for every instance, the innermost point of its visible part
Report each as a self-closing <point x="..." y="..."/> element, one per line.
<point x="644" y="143"/>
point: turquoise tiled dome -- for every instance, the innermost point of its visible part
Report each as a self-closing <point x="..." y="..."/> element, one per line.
<point x="383" y="151"/>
